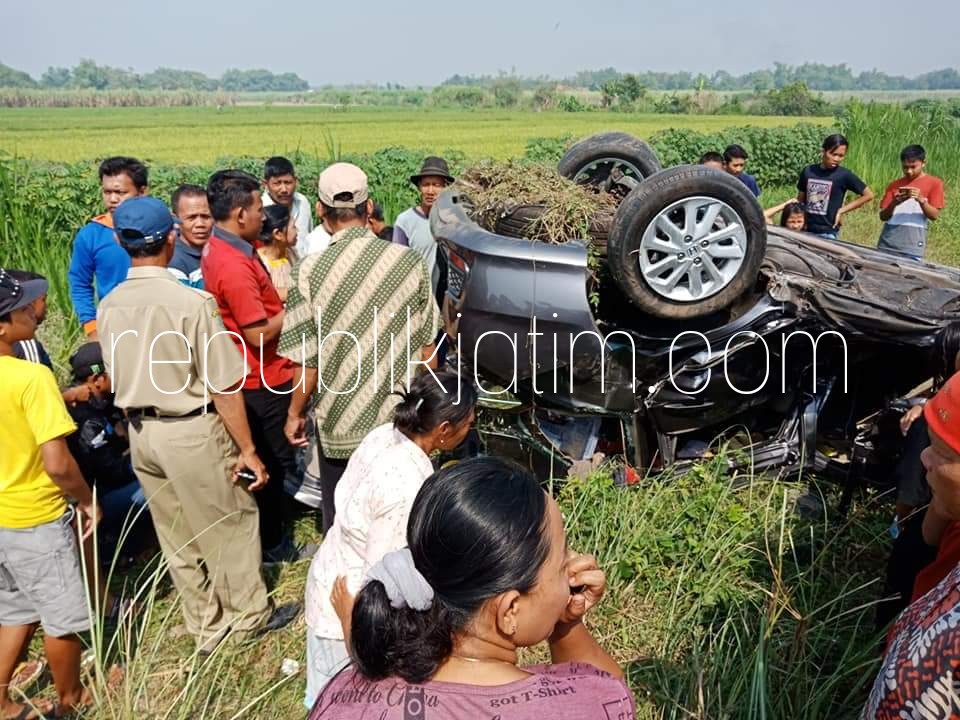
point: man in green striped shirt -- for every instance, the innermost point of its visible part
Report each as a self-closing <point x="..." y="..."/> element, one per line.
<point x="360" y="319"/>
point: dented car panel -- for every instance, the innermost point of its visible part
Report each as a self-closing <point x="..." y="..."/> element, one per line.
<point x="833" y="332"/>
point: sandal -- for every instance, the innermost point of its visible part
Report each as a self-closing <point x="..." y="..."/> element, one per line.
<point x="27" y="673"/>
<point x="29" y="711"/>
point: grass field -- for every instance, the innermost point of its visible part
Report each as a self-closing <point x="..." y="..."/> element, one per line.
<point x="200" y="135"/>
<point x="722" y="603"/>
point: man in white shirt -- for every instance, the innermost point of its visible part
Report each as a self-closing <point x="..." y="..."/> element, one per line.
<point x="412" y="227"/>
<point x="280" y="182"/>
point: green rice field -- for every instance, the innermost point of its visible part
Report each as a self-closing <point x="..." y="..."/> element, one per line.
<point x="202" y="134"/>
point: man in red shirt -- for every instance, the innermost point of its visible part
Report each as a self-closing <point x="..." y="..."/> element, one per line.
<point x="251" y="308"/>
<point x="909" y="204"/>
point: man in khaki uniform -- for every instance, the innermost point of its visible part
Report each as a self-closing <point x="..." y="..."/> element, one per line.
<point x="173" y="375"/>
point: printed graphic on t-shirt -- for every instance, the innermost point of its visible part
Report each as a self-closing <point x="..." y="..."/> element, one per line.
<point x="818" y="196"/>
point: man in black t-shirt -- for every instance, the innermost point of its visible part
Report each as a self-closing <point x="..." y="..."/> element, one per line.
<point x="823" y="187"/>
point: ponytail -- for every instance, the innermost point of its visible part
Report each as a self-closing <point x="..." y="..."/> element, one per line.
<point x="476" y="530"/>
<point x="432" y="400"/>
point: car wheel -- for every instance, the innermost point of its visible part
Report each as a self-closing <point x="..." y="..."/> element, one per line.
<point x="613" y="162"/>
<point x="687" y="242"/>
<point x="520" y="222"/>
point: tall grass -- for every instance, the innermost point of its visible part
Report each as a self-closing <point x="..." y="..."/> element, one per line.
<point x="877" y="133"/>
<point x="724" y="604"/>
<point x="721" y="603"/>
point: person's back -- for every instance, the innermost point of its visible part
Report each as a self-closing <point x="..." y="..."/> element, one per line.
<point x="357" y="279"/>
<point x="565" y="691"/>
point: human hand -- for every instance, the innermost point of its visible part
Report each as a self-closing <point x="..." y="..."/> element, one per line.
<point x="76" y="394"/>
<point x="295" y="430"/>
<point x="910" y="417"/>
<point x="589" y="581"/>
<point x="249" y="460"/>
<point x="91" y="511"/>
<point x="342" y="600"/>
<point x="839" y="219"/>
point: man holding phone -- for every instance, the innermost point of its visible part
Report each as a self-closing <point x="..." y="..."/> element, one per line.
<point x="909" y="204"/>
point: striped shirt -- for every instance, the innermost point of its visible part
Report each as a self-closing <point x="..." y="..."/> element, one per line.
<point x="361" y="301"/>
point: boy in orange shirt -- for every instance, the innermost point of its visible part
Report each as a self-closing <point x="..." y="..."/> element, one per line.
<point x="40" y="577"/>
<point x="909" y="204"/>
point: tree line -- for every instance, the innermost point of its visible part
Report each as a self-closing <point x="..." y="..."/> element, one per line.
<point x="815" y="76"/>
<point x="87" y="75"/>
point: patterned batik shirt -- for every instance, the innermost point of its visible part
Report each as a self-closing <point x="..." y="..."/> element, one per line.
<point x="919" y="675"/>
<point x="358" y="311"/>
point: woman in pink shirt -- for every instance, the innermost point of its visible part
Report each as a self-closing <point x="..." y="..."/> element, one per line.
<point x="437" y="626"/>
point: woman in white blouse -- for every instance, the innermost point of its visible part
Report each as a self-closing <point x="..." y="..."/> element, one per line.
<point x="373" y="501"/>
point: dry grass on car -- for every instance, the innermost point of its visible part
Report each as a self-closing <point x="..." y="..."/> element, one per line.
<point x="569" y="210"/>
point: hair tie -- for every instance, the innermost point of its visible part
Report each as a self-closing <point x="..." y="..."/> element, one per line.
<point x="404" y="584"/>
<point x="419" y="403"/>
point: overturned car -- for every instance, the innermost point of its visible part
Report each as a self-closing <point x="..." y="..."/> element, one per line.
<point x="711" y="327"/>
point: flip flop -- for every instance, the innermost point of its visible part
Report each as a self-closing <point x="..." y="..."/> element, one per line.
<point x="27" y="673"/>
<point x="25" y="714"/>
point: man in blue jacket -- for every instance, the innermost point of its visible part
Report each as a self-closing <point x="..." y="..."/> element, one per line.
<point x="98" y="263"/>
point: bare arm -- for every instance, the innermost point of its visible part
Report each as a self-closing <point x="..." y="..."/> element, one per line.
<point x="887" y="212"/>
<point x="932" y="213"/>
<point x="858" y="203"/>
<point x="234" y="415"/>
<point x="294" y="428"/>
<point x="770" y="214"/>
<point x="427" y="356"/>
<point x="574" y="643"/>
<point x="263" y="333"/>
<point x="63" y="470"/>
<point x="570" y="640"/>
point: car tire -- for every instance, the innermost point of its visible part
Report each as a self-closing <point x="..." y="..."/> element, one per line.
<point x="590" y="161"/>
<point x="670" y="251"/>
<point x="519" y="222"/>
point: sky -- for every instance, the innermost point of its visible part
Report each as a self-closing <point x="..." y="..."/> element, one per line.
<point x="423" y="44"/>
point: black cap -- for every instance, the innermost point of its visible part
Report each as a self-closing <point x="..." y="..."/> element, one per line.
<point x="16" y="294"/>
<point x="87" y="361"/>
<point x="435" y="166"/>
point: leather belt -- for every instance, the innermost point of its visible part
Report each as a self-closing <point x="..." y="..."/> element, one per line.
<point x="135" y="415"/>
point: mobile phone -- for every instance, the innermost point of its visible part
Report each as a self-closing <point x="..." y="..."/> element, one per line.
<point x="247" y="476"/>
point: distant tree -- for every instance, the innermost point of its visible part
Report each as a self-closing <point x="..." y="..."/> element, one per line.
<point x="56" y="77"/>
<point x="506" y="93"/>
<point x="87" y="75"/>
<point x="11" y="78"/>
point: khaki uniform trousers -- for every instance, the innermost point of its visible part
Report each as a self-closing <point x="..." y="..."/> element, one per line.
<point x="206" y="525"/>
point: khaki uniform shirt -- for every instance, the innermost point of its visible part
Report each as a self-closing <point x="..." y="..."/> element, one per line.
<point x="152" y="316"/>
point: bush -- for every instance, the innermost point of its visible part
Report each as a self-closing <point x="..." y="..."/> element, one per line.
<point x="777" y="155"/>
<point x="547" y="149"/>
<point x="571" y="103"/>
<point x="460" y="97"/>
<point x="792" y="100"/>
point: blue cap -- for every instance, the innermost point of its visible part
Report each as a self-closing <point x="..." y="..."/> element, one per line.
<point x="142" y="221"/>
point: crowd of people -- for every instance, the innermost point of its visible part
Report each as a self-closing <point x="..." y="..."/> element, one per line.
<point x="208" y="410"/>
<point x="906" y="209"/>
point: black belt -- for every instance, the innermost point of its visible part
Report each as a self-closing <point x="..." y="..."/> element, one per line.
<point x="152" y="412"/>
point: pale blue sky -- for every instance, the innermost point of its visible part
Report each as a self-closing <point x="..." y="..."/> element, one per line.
<point x="423" y="43"/>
